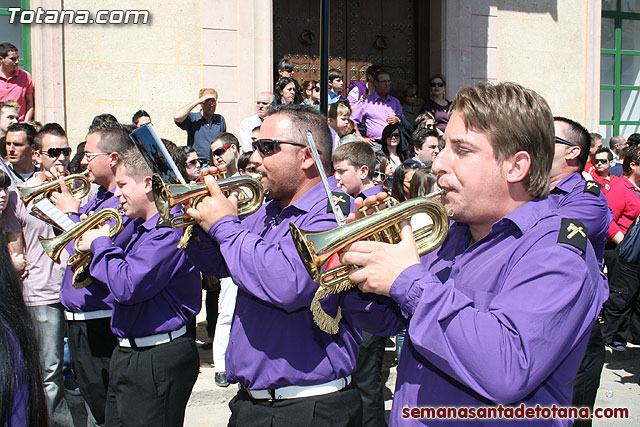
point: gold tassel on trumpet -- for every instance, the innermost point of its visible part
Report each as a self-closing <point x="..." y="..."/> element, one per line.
<point x="316" y="247"/>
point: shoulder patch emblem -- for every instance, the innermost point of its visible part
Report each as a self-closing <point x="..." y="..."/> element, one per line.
<point x="163" y="224"/>
<point x="342" y="201"/>
<point x="574" y="233"/>
<point x="592" y="187"/>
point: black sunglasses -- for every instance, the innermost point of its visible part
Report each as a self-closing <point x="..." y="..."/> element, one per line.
<point x="437" y="84"/>
<point x="54" y="153"/>
<point x="194" y="162"/>
<point x="220" y="151"/>
<point x="603" y="161"/>
<point x="565" y="142"/>
<point x="267" y="147"/>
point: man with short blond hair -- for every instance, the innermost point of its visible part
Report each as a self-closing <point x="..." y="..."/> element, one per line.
<point x="203" y="126"/>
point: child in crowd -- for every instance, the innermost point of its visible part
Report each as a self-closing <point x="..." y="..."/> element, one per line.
<point x="336" y="83"/>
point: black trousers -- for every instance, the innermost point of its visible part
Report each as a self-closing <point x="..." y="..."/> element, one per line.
<point x="587" y="380"/>
<point x="368" y="378"/>
<point x="150" y="386"/>
<point x="91" y="344"/>
<point x="338" y="409"/>
<point x="623" y="293"/>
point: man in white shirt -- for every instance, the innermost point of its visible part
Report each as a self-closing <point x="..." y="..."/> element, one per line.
<point x="251" y="122"/>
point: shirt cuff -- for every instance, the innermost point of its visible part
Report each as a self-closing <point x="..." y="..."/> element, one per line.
<point x="406" y="290"/>
<point x="101" y="242"/>
<point x="223" y="228"/>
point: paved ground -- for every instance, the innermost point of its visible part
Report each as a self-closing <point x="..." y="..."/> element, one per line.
<point x="208" y="405"/>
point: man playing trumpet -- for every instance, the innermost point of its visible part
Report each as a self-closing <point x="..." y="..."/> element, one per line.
<point x="156" y="293"/>
<point x="89" y="308"/>
<point x="501" y="312"/>
<point x="291" y="372"/>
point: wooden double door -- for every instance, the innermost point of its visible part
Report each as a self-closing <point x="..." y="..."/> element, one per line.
<point x="390" y="33"/>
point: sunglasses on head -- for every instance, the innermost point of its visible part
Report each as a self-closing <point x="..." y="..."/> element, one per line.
<point x="603" y="161"/>
<point x="437" y="84"/>
<point x="54" y="153"/>
<point x="220" y="151"/>
<point x="192" y="163"/>
<point x="267" y="147"/>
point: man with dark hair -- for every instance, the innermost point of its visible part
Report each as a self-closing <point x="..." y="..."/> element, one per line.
<point x="203" y="126"/>
<point x="379" y="109"/>
<point x="582" y="200"/>
<point x="88" y="310"/>
<point x="140" y="118"/>
<point x="425" y="146"/>
<point x="501" y="312"/>
<point x="596" y="143"/>
<point x="603" y="161"/>
<point x="156" y="293"/>
<point x="41" y="287"/>
<point x="302" y="376"/>
<point x="16" y="82"/>
<point x="225" y="150"/>
<point x="19" y="142"/>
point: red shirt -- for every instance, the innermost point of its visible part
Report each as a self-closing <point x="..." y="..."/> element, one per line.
<point x="16" y="88"/>
<point x="605" y="183"/>
<point x="624" y="201"/>
<point x="590" y="168"/>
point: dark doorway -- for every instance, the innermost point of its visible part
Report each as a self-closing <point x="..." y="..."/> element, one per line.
<point x="393" y="34"/>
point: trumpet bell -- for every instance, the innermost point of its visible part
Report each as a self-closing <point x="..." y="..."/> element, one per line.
<point x="79" y="186"/>
<point x="316" y="247"/>
<point x="166" y="196"/>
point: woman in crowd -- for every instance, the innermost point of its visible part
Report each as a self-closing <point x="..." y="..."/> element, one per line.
<point x="311" y="93"/>
<point x="401" y="186"/>
<point x="411" y="104"/>
<point x="22" y="401"/>
<point x="393" y="145"/>
<point x="438" y="105"/>
<point x="287" y="91"/>
<point x="187" y="162"/>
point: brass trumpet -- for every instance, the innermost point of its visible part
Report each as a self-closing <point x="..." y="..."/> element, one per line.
<point x="316" y="247"/>
<point x="28" y="194"/>
<point x="166" y="196"/>
<point x="80" y="260"/>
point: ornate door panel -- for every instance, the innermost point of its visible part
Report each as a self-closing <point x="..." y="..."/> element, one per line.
<point x="363" y="32"/>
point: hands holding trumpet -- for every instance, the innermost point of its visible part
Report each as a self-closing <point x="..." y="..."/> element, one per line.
<point x="379" y="263"/>
<point x="214" y="207"/>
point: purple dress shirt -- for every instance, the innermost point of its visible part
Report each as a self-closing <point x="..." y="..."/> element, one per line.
<point x="374" y="112"/>
<point x="96" y="296"/>
<point x="572" y="201"/>
<point x="155" y="288"/>
<point x="503" y="320"/>
<point x="274" y="342"/>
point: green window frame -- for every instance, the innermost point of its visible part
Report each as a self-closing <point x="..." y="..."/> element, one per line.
<point x="25" y="50"/>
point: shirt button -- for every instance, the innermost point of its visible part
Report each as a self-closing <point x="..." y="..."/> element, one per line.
<point x="419" y="366"/>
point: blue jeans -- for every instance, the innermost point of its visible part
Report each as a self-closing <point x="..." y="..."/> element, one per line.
<point x="49" y="324"/>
